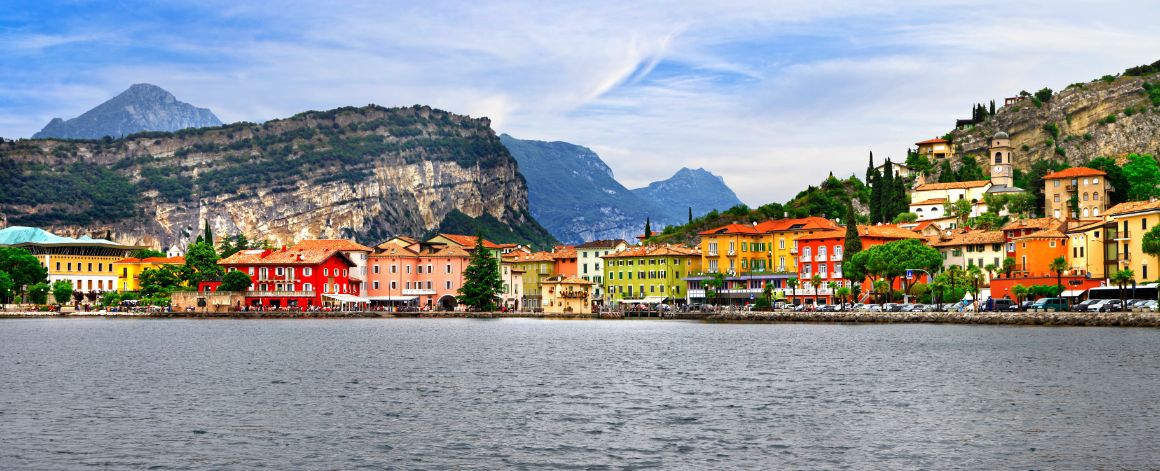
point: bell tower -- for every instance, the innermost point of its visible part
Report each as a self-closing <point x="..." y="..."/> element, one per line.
<point x="1002" y="169"/>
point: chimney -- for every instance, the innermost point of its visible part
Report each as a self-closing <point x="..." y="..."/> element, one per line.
<point x="283" y="248"/>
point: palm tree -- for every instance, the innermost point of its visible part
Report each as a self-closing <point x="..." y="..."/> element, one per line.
<point x="792" y="282"/>
<point x="953" y="273"/>
<point x="816" y="280"/>
<point x="843" y="293"/>
<point x="1008" y="266"/>
<point x="1020" y="292"/>
<point x="880" y="287"/>
<point x="833" y="285"/>
<point x="1121" y="279"/>
<point x="991" y="270"/>
<point x="975" y="278"/>
<point x="1058" y="266"/>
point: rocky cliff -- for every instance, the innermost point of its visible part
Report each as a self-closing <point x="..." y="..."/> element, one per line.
<point x="1105" y="117"/>
<point x="362" y="173"/>
<point x="143" y="107"/>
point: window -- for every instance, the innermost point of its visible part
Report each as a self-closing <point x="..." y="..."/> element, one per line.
<point x="822" y="252"/>
<point x="448" y="284"/>
<point x="1055" y="183"/>
<point x="430" y="269"/>
<point x="307" y="287"/>
<point x="1085" y="181"/>
<point x="1081" y="252"/>
<point x="448" y="268"/>
<point x="69" y="266"/>
<point x="345" y="272"/>
<point x="781" y="243"/>
<point x="375" y="284"/>
<point x="822" y="269"/>
<point x="428" y="285"/>
<point x="1095" y="196"/>
<point x="1056" y="197"/>
<point x="375" y="269"/>
<point x="307" y="271"/>
<point x="1051" y="243"/>
<point x="1095" y="212"/>
<point x="57" y="266"/>
<point x="806" y="251"/>
<point x="90" y="265"/>
<point x="325" y="272"/>
<point x="731" y="246"/>
<point x="1056" y="212"/>
<point x="419" y="269"/>
<point x="838" y="251"/>
<point x="280" y="271"/>
<point x="394" y="285"/>
<point x="1144" y="224"/>
<point x="251" y="271"/>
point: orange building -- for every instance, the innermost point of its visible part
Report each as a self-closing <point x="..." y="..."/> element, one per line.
<point x="1034" y="252"/>
<point x="564" y="261"/>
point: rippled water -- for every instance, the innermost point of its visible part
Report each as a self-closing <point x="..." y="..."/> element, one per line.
<point x="531" y="394"/>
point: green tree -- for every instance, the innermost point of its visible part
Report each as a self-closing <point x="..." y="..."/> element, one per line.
<point x="1058" y="266"/>
<point x="62" y="291"/>
<point x="918" y="163"/>
<point x="38" y="293"/>
<point x="969" y="170"/>
<point x="946" y="174"/>
<point x="713" y="287"/>
<point x="1143" y="175"/>
<point x="905" y="218"/>
<point x="234" y="244"/>
<point x="975" y="281"/>
<point x="1044" y="94"/>
<point x="793" y="284"/>
<point x="960" y="209"/>
<point x="1151" y="241"/>
<point x="1115" y="177"/>
<point x="160" y="282"/>
<point x="1020" y="292"/>
<point x="482" y="284"/>
<point x="882" y="288"/>
<point x="767" y="293"/>
<point x="891" y="260"/>
<point x="845" y="294"/>
<point x="201" y="263"/>
<point x="146" y="253"/>
<point x="6" y="285"/>
<point x="691" y="214"/>
<point x="235" y="281"/>
<point x="987" y="221"/>
<point x="991" y="269"/>
<point x="816" y="282"/>
<point x="647" y="228"/>
<point x="1122" y="279"/>
<point x="23" y="267"/>
<point x="208" y="237"/>
<point x="1024" y="204"/>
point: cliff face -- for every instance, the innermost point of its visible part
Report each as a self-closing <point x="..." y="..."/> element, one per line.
<point x="1081" y="113"/>
<point x="362" y="173"/>
<point x="143" y="107"/>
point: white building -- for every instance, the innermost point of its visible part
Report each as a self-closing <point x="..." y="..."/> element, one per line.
<point x="589" y="264"/>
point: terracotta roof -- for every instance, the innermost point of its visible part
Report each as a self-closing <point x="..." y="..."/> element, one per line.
<point x="601" y="244"/>
<point x="1037" y="223"/>
<point x="937" y="140"/>
<point x="1044" y="234"/>
<point x="952" y="185"/>
<point x="974" y="238"/>
<point x="882" y="231"/>
<point x="567" y="280"/>
<point x="564" y="251"/>
<point x="282" y="257"/>
<point x="1132" y="207"/>
<point x="731" y="229"/>
<point x="336" y="244"/>
<point x="529" y="257"/>
<point x="796" y="224"/>
<point x="393" y="250"/>
<point x="930" y="201"/>
<point x="157" y="260"/>
<point x="469" y="241"/>
<point x="655" y="251"/>
<point x="1074" y="172"/>
<point x="1086" y="226"/>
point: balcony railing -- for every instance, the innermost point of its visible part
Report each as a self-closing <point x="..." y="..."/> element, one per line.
<point x="1070" y="188"/>
<point x="836" y="275"/>
<point x="266" y="294"/>
<point x="1124" y="235"/>
<point x="836" y="257"/>
<point x="731" y="253"/>
<point x="793" y="251"/>
<point x="820" y="257"/>
<point x="805" y="258"/>
<point x="712" y="253"/>
<point x="418" y="292"/>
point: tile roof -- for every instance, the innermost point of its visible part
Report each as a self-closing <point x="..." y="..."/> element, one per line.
<point x="952" y="185"/>
<point x="601" y="244"/>
<point x="1132" y="207"/>
<point x="1043" y="234"/>
<point x="283" y="257"/>
<point x="1086" y="226"/>
<point x="796" y="224"/>
<point x="157" y="260"/>
<point x="1036" y="223"/>
<point x="731" y="229"/>
<point x="469" y="241"/>
<point x="563" y="251"/>
<point x="529" y="257"/>
<point x="336" y="244"/>
<point x="937" y="140"/>
<point x="1074" y="172"/>
<point x="655" y="251"/>
<point x="930" y="201"/>
<point x="974" y="238"/>
<point x="882" y="231"/>
<point x="567" y="280"/>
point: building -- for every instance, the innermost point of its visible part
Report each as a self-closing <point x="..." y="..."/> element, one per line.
<point x="822" y="254"/>
<point x="591" y="266"/>
<point x="897" y="169"/>
<point x="356" y="252"/>
<point x="566" y="294"/>
<point x="535" y="267"/>
<point x="1035" y="252"/>
<point x="1002" y="166"/>
<point x="937" y="148"/>
<point x="766" y="247"/>
<point x="129" y="269"/>
<point x="1125" y="235"/>
<point x="1089" y="187"/>
<point x="294" y="278"/>
<point x="84" y="261"/>
<point x="1087" y="249"/>
<point x="973" y="248"/>
<point x="427" y="275"/>
<point x="564" y="260"/>
<point x="1025" y="227"/>
<point x="779" y="242"/>
<point x="721" y="247"/>
<point x="513" y="286"/>
<point x="929" y="200"/>
<point x="650" y="274"/>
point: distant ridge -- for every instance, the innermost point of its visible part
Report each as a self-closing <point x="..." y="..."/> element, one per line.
<point x="143" y="107"/>
<point x="698" y="189"/>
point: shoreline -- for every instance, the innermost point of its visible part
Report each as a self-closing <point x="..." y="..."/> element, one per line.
<point x="1063" y="319"/>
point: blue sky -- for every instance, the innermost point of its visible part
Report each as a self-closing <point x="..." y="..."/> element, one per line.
<point x="772" y="95"/>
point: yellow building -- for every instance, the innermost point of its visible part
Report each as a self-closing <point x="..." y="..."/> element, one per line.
<point x="566" y="294"/>
<point x="1125" y="238"/>
<point x="650" y="274"/>
<point x="535" y="268"/>
<point x="128" y="269"/>
<point x="1087" y="242"/>
<point x="86" y="262"/>
<point x="766" y="247"/>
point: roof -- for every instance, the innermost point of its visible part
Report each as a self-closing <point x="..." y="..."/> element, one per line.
<point x="528" y="257"/>
<point x="154" y="260"/>
<point x="567" y="280"/>
<point x="882" y="231"/>
<point x="655" y="251"/>
<point x="811" y="223"/>
<point x="973" y="238"/>
<point x="1004" y="189"/>
<point x="1074" y="172"/>
<point x="293" y="256"/>
<point x="937" y="140"/>
<point x="731" y="229"/>
<point x="468" y="241"/>
<point x="336" y="244"/>
<point x="602" y="244"/>
<point x="1087" y="226"/>
<point x="563" y="251"/>
<point x="1044" y="234"/>
<point x="21" y="235"/>
<point x="1036" y="223"/>
<point x="952" y="185"/>
<point x="1132" y="207"/>
<point x="930" y="201"/>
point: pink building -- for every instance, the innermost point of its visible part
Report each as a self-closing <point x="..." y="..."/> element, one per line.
<point x="405" y="272"/>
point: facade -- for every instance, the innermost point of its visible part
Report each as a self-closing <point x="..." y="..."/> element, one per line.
<point x="974" y="248"/>
<point x="564" y="260"/>
<point x="536" y="267"/>
<point x="427" y="275"/>
<point x="1089" y="186"/>
<point x="1035" y="252"/>
<point x="1087" y="249"/>
<point x="936" y="148"/>
<point x="566" y="294"/>
<point x="1002" y="167"/>
<point x="128" y="269"/>
<point x="1025" y="227"/>
<point x="295" y="278"/>
<point x="650" y="273"/>
<point x="356" y="252"/>
<point x="513" y="286"/>
<point x="822" y="254"/>
<point x="897" y="169"/>
<point x="768" y="247"/>
<point x="591" y="265"/>
<point x="84" y="261"/>
<point x="1124" y="238"/>
<point x="928" y="200"/>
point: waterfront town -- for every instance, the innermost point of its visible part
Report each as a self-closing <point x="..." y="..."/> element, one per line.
<point x="789" y="262"/>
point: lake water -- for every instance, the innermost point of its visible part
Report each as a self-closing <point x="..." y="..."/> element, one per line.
<point x="540" y="394"/>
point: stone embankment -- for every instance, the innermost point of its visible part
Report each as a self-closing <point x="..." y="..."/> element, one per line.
<point x="1093" y="319"/>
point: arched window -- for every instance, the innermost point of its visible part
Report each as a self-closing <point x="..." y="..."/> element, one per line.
<point x="1085" y="196"/>
<point x="1085" y="212"/>
<point x="1096" y="212"/>
<point x="998" y="157"/>
<point x="1095" y="196"/>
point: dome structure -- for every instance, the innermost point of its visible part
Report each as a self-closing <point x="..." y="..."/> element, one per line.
<point x="1001" y="135"/>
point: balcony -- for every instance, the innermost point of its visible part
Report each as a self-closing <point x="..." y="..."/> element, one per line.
<point x="1070" y="188"/>
<point x="820" y="257"/>
<point x="836" y="257"/>
<point x="712" y="253"/>
<point x="731" y="253"/>
<point x="270" y="294"/>
<point x="418" y="292"/>
<point x="805" y="258"/>
<point x="836" y="275"/>
<point x="1124" y="235"/>
<point x="793" y="251"/>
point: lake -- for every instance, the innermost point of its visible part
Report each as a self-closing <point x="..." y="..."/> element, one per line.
<point x="587" y="394"/>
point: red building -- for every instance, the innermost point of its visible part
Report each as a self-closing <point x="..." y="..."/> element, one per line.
<point x="1025" y="227"/>
<point x="300" y="277"/>
<point x="821" y="254"/>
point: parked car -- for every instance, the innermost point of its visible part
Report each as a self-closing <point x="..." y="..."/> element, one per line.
<point x="1113" y="305"/>
<point x="1050" y="304"/>
<point x="1001" y="304"/>
<point x="857" y="307"/>
<point x="1098" y="304"/>
<point x="1083" y="305"/>
<point x="1026" y="305"/>
<point x="892" y="307"/>
<point x="874" y="308"/>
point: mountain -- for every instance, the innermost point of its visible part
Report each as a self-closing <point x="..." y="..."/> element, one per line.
<point x="575" y="196"/>
<point x="688" y="188"/>
<point x="1110" y="116"/>
<point x="363" y="173"/>
<point x="143" y="107"/>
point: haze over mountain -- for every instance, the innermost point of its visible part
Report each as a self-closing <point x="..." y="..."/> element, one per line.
<point x="575" y="195"/>
<point x="143" y="107"/>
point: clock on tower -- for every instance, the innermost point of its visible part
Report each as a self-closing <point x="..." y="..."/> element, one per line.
<point x="1002" y="173"/>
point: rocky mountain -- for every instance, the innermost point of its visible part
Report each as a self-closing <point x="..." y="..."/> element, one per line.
<point x="363" y="173"/>
<point x="1111" y="116"/>
<point x="574" y="194"/>
<point x="691" y="188"/>
<point x="143" y="107"/>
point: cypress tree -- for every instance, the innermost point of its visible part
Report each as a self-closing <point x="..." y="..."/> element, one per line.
<point x="886" y="194"/>
<point x="853" y="243"/>
<point x="901" y="203"/>
<point x="875" y="182"/>
<point x="870" y="170"/>
<point x="208" y="234"/>
<point x="690" y="214"/>
<point x="647" y="228"/>
<point x="992" y="108"/>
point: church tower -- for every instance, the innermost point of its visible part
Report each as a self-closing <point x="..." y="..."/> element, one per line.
<point x="1002" y="169"/>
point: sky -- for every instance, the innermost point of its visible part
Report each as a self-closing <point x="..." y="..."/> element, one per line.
<point x="771" y="95"/>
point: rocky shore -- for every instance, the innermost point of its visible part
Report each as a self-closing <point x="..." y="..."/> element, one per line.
<point x="1090" y="319"/>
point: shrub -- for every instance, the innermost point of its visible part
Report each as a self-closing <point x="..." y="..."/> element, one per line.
<point x="1044" y="94"/>
<point x="1110" y="119"/>
<point x="1026" y="148"/>
<point x="1129" y="111"/>
<point x="1049" y="142"/>
<point x="1108" y="78"/>
<point x="1087" y="136"/>
<point x="1059" y="150"/>
<point x="1052" y="129"/>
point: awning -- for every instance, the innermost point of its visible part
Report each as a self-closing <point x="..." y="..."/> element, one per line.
<point x="646" y="300"/>
<point x="1071" y="293"/>
<point x="346" y="298"/>
<point x="393" y="298"/>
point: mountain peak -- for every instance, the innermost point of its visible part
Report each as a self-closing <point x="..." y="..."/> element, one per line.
<point x="141" y="107"/>
<point x="698" y="189"/>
